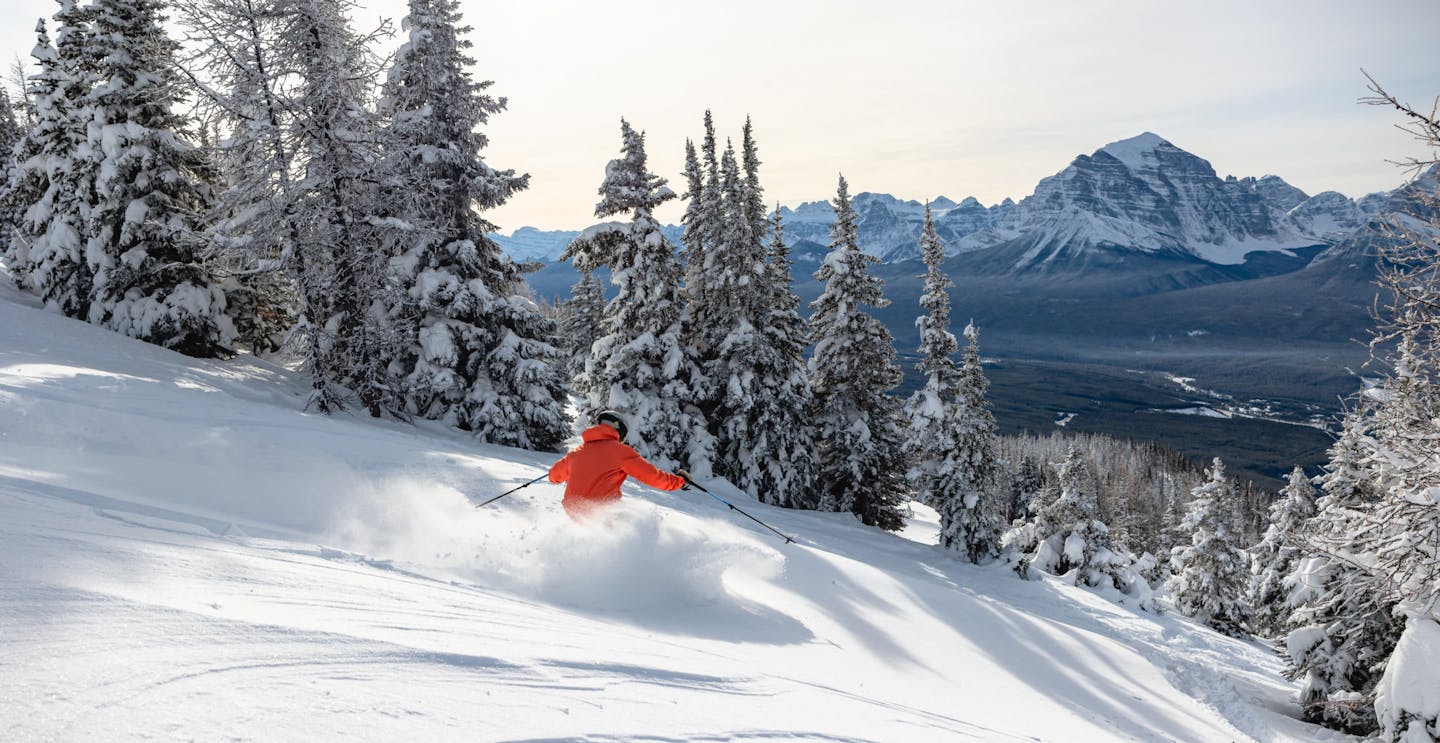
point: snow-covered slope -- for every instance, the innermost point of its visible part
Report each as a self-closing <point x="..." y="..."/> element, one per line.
<point x="186" y="554"/>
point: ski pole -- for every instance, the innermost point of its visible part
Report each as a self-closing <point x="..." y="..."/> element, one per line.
<point x="511" y="490"/>
<point x="732" y="506"/>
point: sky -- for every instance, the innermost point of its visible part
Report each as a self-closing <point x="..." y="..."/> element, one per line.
<point x="933" y="97"/>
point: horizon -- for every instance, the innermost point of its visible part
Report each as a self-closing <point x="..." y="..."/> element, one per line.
<point x="960" y="100"/>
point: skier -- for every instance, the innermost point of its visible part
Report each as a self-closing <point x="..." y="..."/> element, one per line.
<point x="594" y="471"/>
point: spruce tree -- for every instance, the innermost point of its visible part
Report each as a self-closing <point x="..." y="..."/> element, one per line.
<point x="968" y="479"/>
<point x="738" y="294"/>
<point x="641" y="367"/>
<point x="10" y="216"/>
<point x="584" y="316"/>
<point x="705" y="224"/>
<point x="861" y="464"/>
<point x="781" y="458"/>
<point x="931" y="409"/>
<point x="1274" y="557"/>
<point x="1341" y="625"/>
<point x="1210" y="573"/>
<point x="697" y="234"/>
<point x="474" y="351"/>
<point x="55" y="182"/>
<point x="752" y="196"/>
<point x="1067" y="537"/>
<point x="145" y="227"/>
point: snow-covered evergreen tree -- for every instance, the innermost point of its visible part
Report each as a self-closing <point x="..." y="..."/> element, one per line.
<point x="1024" y="499"/>
<point x="54" y="183"/>
<point x="968" y="478"/>
<point x="930" y="411"/>
<point x="1274" y="557"/>
<point x="474" y="351"/>
<point x="743" y="362"/>
<point x="1402" y="528"/>
<point x="583" y="324"/>
<point x="861" y="463"/>
<point x="10" y="131"/>
<point x="640" y="366"/>
<point x="11" y="216"/>
<point x="1067" y="537"/>
<point x="145" y="227"/>
<point x="782" y="454"/>
<point x="704" y="223"/>
<point x="1210" y="573"/>
<point x="1341" y="626"/>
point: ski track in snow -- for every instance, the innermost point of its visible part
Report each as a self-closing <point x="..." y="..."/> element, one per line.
<point x="186" y="554"/>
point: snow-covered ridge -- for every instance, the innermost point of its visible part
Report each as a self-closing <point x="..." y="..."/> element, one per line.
<point x="187" y="553"/>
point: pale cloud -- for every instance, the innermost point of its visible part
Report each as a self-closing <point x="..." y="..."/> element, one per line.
<point x="953" y="98"/>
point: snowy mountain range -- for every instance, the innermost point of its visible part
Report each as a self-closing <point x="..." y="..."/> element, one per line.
<point x="1141" y="194"/>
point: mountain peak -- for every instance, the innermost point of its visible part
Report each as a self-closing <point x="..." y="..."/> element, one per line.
<point x="1132" y="151"/>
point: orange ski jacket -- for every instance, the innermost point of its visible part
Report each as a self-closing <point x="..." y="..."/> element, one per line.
<point x="594" y="471"/>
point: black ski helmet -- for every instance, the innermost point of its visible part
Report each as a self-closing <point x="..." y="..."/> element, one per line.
<point x="614" y="419"/>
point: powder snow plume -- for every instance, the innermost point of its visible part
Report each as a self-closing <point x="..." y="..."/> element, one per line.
<point x="635" y="556"/>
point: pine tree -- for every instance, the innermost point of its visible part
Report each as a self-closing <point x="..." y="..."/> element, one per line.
<point x="705" y="224"/>
<point x="1026" y="482"/>
<point x="742" y="360"/>
<point x="931" y="409"/>
<point x="54" y="184"/>
<point x="10" y="216"/>
<point x="145" y="228"/>
<point x="641" y="367"/>
<point x="583" y="325"/>
<point x="752" y="198"/>
<point x="858" y="440"/>
<point x="474" y="351"/>
<point x="1067" y="537"/>
<point x="781" y="460"/>
<point x="968" y="481"/>
<point x="1275" y="556"/>
<point x="1341" y="625"/>
<point x="1210" y="573"/>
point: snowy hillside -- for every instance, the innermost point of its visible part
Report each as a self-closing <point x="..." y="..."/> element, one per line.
<point x="185" y="554"/>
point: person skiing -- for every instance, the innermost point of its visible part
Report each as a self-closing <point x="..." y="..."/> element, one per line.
<point x="594" y="471"/>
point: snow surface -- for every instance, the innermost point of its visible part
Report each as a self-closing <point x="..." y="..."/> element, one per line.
<point x="186" y="554"/>
<point x="1137" y="152"/>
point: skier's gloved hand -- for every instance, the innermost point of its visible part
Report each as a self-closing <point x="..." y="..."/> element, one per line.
<point x="685" y="474"/>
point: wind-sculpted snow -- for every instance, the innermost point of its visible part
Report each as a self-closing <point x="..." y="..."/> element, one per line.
<point x="185" y="553"/>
